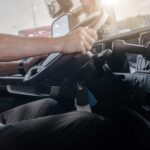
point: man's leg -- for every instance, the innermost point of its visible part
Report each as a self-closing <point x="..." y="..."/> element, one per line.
<point x="76" y="130"/>
<point x="31" y="110"/>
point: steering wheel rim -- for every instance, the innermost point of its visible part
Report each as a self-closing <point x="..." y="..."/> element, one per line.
<point x="29" y="75"/>
<point x="94" y="21"/>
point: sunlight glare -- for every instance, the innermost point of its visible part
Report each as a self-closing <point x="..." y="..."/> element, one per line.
<point x="109" y="2"/>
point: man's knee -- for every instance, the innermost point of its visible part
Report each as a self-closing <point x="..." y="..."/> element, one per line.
<point x="86" y="115"/>
<point x="50" y="106"/>
<point x="44" y="107"/>
<point x="46" y="103"/>
<point x="89" y="119"/>
<point x="85" y="129"/>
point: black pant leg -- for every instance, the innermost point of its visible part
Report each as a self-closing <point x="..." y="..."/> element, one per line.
<point x="40" y="108"/>
<point x="74" y="130"/>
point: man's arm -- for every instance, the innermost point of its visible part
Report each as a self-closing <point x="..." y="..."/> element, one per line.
<point x="9" y="68"/>
<point x="14" y="48"/>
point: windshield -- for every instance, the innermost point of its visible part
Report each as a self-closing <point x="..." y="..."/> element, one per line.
<point x="128" y="15"/>
<point x="18" y="15"/>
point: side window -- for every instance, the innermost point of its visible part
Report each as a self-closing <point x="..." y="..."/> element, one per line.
<point x="16" y="15"/>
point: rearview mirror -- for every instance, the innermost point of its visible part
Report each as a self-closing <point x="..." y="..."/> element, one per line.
<point x="60" y="26"/>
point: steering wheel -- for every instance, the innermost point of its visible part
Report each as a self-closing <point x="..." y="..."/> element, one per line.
<point x="58" y="66"/>
<point x="95" y="21"/>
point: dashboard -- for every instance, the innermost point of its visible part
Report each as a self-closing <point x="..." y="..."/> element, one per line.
<point x="58" y="67"/>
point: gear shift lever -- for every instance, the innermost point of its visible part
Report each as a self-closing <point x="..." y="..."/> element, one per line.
<point x="81" y="100"/>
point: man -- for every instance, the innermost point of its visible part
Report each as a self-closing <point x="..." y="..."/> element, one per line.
<point x="21" y="127"/>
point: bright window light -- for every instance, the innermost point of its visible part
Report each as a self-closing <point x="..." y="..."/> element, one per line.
<point x="109" y="2"/>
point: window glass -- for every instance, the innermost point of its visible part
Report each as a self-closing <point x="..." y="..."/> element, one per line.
<point x="127" y="15"/>
<point x="18" y="15"/>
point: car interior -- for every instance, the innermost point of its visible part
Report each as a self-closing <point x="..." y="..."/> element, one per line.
<point x="116" y="72"/>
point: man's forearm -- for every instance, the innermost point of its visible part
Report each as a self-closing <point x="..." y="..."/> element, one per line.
<point x="14" y="48"/>
<point x="9" y="68"/>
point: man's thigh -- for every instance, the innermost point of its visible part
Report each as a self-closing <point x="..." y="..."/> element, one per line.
<point x="64" y="131"/>
<point x="31" y="110"/>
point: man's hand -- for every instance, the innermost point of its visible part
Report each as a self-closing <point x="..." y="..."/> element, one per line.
<point x="31" y="62"/>
<point x="80" y="40"/>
